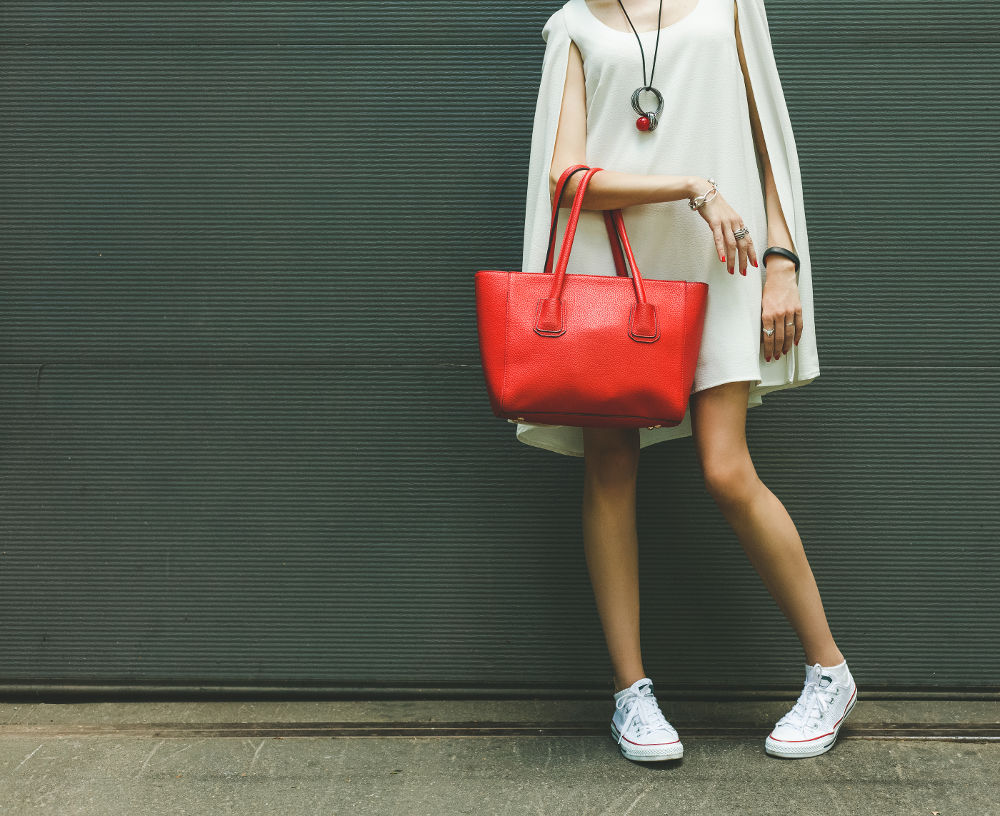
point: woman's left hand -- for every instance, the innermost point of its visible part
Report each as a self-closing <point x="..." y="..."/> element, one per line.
<point x="780" y="304"/>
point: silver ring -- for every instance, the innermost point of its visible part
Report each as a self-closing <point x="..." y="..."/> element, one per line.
<point x="740" y="232"/>
<point x="790" y="324"/>
<point x="768" y="332"/>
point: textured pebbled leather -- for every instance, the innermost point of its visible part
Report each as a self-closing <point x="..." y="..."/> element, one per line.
<point x="588" y="350"/>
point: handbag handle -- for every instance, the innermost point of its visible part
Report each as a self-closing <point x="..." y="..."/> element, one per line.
<point x="616" y="248"/>
<point x="550" y="319"/>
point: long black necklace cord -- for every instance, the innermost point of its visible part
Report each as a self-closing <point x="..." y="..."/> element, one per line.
<point x="659" y="17"/>
<point x="648" y="120"/>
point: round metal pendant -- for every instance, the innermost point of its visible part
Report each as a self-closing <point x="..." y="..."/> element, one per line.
<point x="648" y="120"/>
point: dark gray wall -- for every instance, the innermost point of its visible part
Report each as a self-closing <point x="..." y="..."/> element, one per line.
<point x="245" y="436"/>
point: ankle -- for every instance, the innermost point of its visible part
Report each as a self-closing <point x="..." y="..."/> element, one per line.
<point x="628" y="679"/>
<point x="828" y="659"/>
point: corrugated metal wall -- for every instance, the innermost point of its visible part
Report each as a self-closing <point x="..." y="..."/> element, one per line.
<point x="245" y="437"/>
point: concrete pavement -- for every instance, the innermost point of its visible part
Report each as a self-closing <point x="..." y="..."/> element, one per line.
<point x="434" y="757"/>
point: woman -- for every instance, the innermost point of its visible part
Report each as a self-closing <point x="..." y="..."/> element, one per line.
<point x="695" y="139"/>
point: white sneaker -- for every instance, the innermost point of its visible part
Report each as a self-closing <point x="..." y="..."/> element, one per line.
<point x="811" y="727"/>
<point x="639" y="727"/>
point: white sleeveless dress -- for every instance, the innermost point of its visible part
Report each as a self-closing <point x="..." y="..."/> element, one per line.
<point x="704" y="130"/>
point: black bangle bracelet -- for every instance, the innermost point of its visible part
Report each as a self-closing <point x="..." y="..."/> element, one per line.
<point x="776" y="250"/>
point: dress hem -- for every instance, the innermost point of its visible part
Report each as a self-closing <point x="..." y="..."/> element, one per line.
<point x="548" y="437"/>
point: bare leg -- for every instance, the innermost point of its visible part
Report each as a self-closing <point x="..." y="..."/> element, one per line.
<point x="759" y="519"/>
<point x="611" y="543"/>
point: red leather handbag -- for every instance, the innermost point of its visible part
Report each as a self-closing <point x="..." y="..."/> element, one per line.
<point x="589" y="350"/>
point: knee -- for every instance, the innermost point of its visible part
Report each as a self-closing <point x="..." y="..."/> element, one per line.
<point x="730" y="481"/>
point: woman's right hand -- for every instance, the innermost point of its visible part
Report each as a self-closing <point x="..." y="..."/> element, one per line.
<point x="724" y="220"/>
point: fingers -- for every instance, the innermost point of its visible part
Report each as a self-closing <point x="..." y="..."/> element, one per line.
<point x="743" y="246"/>
<point x="774" y="342"/>
<point x="731" y="251"/>
<point x="733" y="254"/>
<point x="793" y="331"/>
<point x="767" y="340"/>
<point x="720" y="242"/>
<point x="787" y="332"/>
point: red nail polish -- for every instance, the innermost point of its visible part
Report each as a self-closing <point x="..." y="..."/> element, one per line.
<point x="768" y="359"/>
<point x="744" y="272"/>
<point x="723" y="258"/>
<point x="755" y="263"/>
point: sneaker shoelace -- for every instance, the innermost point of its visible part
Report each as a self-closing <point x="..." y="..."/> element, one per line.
<point x="813" y="702"/>
<point x="644" y="709"/>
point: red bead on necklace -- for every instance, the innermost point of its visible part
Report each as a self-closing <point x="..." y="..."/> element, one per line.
<point x="648" y="120"/>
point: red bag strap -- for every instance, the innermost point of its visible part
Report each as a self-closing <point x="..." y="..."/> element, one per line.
<point x="550" y="319"/>
<point x="616" y="249"/>
<point x="567" y="244"/>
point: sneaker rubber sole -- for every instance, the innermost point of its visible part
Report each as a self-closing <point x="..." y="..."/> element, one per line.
<point x="811" y="748"/>
<point x="647" y="753"/>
